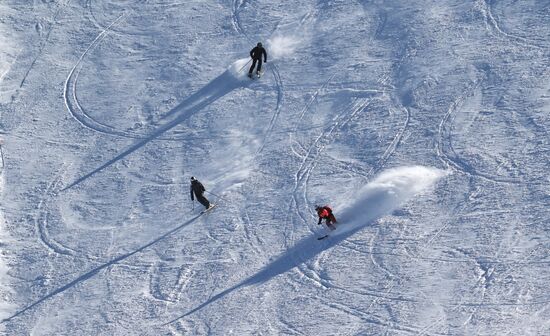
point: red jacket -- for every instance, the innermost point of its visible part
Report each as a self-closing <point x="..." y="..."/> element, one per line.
<point x="323" y="212"/>
<point x="326" y="213"/>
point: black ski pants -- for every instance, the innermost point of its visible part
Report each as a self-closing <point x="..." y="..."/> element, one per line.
<point x="202" y="200"/>
<point x="254" y="64"/>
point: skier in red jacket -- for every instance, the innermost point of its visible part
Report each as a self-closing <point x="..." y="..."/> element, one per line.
<point x="325" y="212"/>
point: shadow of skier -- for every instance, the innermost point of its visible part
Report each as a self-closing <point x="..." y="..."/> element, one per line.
<point x="384" y="194"/>
<point x="96" y="270"/>
<point x="304" y="250"/>
<point x="308" y="247"/>
<point x="214" y="90"/>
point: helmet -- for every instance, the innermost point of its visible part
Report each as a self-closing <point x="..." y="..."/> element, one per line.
<point x="193" y="178"/>
<point x="259" y="44"/>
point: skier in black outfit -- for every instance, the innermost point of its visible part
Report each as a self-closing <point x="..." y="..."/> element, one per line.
<point x="197" y="190"/>
<point x="256" y="55"/>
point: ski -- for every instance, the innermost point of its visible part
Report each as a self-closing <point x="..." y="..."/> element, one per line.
<point x="323" y="237"/>
<point x="255" y="76"/>
<point x="210" y="208"/>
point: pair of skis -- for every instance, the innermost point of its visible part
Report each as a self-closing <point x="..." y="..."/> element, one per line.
<point x="209" y="208"/>
<point x="332" y="228"/>
<point x="255" y="76"/>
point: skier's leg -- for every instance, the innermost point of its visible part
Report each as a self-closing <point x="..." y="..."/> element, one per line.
<point x="203" y="201"/>
<point x="252" y="66"/>
<point x="259" y="66"/>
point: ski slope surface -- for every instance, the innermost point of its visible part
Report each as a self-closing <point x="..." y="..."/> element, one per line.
<point x="423" y="124"/>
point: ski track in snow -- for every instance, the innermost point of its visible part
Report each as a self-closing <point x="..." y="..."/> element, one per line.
<point x="158" y="281"/>
<point x="70" y="93"/>
<point x="195" y="101"/>
<point x="93" y="272"/>
<point x="43" y="216"/>
<point x="272" y="122"/>
<point x="453" y="160"/>
<point x="2" y="162"/>
<point x="369" y="318"/>
<point x="94" y="19"/>
<point x="392" y="147"/>
<point x="481" y="287"/>
<point x="60" y="6"/>
<point x="492" y="22"/>
<point x="303" y="174"/>
<point x="237" y="25"/>
<point x="304" y="110"/>
<point x="236" y="22"/>
<point x="309" y="161"/>
<point x="200" y="279"/>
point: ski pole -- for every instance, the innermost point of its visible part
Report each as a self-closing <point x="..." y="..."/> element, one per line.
<point x="193" y="206"/>
<point x="216" y="195"/>
<point x="244" y="65"/>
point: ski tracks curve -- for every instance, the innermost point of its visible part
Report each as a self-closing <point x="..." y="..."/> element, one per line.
<point x="487" y="11"/>
<point x="445" y="151"/>
<point x="43" y="43"/>
<point x="238" y="26"/>
<point x="41" y="221"/>
<point x="69" y="92"/>
<point x="302" y="176"/>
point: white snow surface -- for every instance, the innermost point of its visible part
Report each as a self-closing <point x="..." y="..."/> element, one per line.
<point x="424" y="124"/>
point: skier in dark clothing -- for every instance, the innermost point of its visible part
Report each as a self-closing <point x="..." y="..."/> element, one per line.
<point x="325" y="212"/>
<point x="256" y="55"/>
<point x="197" y="190"/>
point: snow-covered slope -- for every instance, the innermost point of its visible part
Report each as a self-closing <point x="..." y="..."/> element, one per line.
<point x="424" y="124"/>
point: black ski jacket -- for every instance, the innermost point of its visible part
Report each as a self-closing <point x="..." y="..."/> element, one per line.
<point x="197" y="188"/>
<point x="257" y="52"/>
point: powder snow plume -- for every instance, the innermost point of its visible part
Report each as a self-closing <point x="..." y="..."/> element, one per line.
<point x="282" y="46"/>
<point x="387" y="192"/>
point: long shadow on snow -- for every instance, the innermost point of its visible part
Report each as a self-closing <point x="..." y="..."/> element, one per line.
<point x="96" y="270"/>
<point x="217" y="88"/>
<point x="385" y="194"/>
<point x="304" y="250"/>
